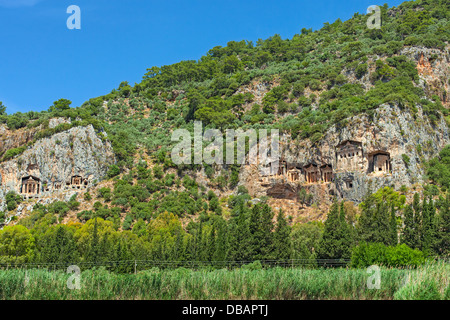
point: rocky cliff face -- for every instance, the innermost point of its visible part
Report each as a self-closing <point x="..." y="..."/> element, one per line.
<point x="433" y="66"/>
<point x="76" y="157"/>
<point x="14" y="139"/>
<point x="389" y="150"/>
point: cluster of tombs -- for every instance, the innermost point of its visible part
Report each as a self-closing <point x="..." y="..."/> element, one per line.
<point x="350" y="157"/>
<point x="32" y="186"/>
<point x="310" y="173"/>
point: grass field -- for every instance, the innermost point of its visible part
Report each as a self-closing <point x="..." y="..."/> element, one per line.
<point x="430" y="281"/>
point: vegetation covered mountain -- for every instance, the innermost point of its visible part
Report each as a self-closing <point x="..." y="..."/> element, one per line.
<point x="342" y="83"/>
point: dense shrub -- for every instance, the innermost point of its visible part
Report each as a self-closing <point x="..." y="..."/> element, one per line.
<point x="365" y="255"/>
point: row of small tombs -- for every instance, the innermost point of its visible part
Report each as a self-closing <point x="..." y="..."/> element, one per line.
<point x="33" y="185"/>
<point x="312" y="172"/>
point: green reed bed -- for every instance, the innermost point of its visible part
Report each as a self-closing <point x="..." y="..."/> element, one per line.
<point x="430" y="281"/>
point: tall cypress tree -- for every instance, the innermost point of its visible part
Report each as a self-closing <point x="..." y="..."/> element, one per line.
<point x="255" y="232"/>
<point x="204" y="249"/>
<point x="394" y="227"/>
<point x="122" y="257"/>
<point x="105" y="248"/>
<point x="190" y="248"/>
<point x="178" y="251"/>
<point x="425" y="230"/>
<point x="261" y="226"/>
<point x="334" y="243"/>
<point x="266" y="227"/>
<point x="418" y="219"/>
<point x="345" y="233"/>
<point x="416" y="204"/>
<point x="221" y="242"/>
<point x="367" y="226"/>
<point x="383" y="230"/>
<point x="434" y="221"/>
<point x="282" y="248"/>
<point x="409" y="234"/>
<point x="94" y="249"/>
<point x="211" y="244"/>
<point x="240" y="246"/>
<point x="443" y="230"/>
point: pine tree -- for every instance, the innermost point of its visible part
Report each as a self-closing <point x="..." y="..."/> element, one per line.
<point x="282" y="239"/>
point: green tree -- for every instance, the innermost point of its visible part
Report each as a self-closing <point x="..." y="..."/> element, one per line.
<point x="94" y="248"/>
<point x="376" y="223"/>
<point x="17" y="244"/>
<point x="443" y="230"/>
<point x="345" y="233"/>
<point x="282" y="248"/>
<point x="439" y="168"/>
<point x="60" y="246"/>
<point x="221" y="241"/>
<point x="306" y="238"/>
<point x="239" y="235"/>
<point x="425" y="230"/>
<point x="336" y="240"/>
<point x="211" y="245"/>
<point x="261" y="226"/>
<point x="61" y="105"/>
<point x="410" y="230"/>
<point x="393" y="227"/>
<point x="2" y="109"/>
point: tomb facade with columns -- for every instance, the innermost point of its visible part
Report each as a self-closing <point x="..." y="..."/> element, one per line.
<point x="30" y="186"/>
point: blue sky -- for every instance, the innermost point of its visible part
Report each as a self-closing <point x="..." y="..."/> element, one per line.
<point x="41" y="60"/>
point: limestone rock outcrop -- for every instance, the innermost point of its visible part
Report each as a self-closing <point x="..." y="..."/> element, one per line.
<point x="74" y="158"/>
<point x="14" y="139"/>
